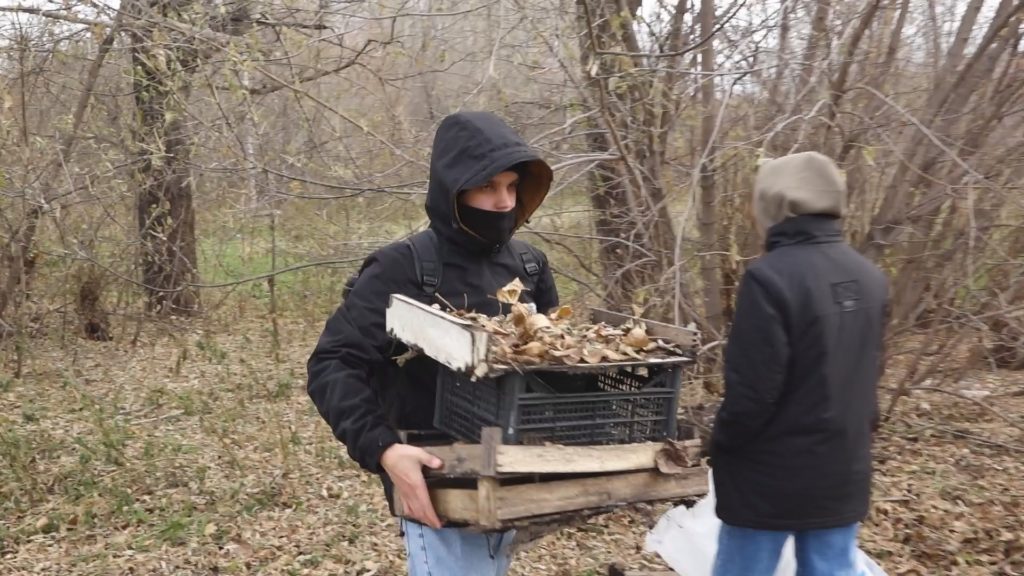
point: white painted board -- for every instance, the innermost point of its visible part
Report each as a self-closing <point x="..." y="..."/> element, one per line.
<point x="451" y="341"/>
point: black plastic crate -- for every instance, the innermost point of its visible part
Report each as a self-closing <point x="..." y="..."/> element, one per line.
<point x="635" y="404"/>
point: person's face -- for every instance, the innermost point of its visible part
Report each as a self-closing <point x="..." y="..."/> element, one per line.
<point x="498" y="195"/>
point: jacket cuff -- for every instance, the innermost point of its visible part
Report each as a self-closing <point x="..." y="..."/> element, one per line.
<point x="374" y="445"/>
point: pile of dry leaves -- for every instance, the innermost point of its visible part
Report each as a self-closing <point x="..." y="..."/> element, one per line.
<point x="523" y="337"/>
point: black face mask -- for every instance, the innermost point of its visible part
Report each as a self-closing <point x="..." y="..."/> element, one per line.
<point x="494" y="227"/>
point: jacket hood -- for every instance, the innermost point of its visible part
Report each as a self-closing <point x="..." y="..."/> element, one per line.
<point x="469" y="149"/>
<point x="803" y="183"/>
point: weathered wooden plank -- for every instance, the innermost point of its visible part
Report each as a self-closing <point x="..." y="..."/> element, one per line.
<point x="581" y="459"/>
<point x="456" y="504"/>
<point x="460" y="460"/>
<point x="451" y="504"/>
<point x="490" y="439"/>
<point x="684" y="337"/>
<point x="492" y="505"/>
<point x="580" y="493"/>
<point x="468" y="460"/>
<point x="487" y="490"/>
<point x="487" y="487"/>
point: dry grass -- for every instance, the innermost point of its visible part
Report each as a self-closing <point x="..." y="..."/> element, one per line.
<point x="194" y="452"/>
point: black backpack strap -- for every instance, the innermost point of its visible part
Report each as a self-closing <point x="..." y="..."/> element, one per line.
<point x="427" y="259"/>
<point x="528" y="254"/>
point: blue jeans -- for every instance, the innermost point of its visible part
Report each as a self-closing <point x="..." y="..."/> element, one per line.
<point x="456" y="551"/>
<point x="750" y="552"/>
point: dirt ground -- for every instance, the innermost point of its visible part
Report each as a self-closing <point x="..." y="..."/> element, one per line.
<point x="194" y="451"/>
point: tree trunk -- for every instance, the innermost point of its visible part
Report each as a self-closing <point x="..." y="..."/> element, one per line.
<point x="817" y="42"/>
<point x="637" y="237"/>
<point x="710" y="267"/>
<point x="166" y="215"/>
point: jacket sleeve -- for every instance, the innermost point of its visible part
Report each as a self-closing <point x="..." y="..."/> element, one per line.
<point x="756" y="359"/>
<point x="876" y="420"/>
<point x="546" y="292"/>
<point x="353" y="343"/>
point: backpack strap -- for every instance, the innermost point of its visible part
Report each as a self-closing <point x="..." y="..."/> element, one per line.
<point x="528" y="255"/>
<point x="427" y="259"/>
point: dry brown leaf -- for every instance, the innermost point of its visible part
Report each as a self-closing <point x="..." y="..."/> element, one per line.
<point x="593" y="355"/>
<point x="562" y="313"/>
<point x="511" y="292"/>
<point x="614" y="356"/>
<point x="533" y="349"/>
<point x="537" y="322"/>
<point x="409" y="354"/>
<point x="519" y="315"/>
<point x="673" y="457"/>
<point x="637" y="338"/>
<point x="630" y="351"/>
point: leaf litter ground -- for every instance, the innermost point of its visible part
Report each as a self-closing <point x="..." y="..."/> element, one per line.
<point x="194" y="452"/>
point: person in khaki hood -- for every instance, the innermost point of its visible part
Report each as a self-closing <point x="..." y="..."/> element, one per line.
<point x="791" y="445"/>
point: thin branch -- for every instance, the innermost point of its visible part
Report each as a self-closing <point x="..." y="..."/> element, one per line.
<point x="683" y="51"/>
<point x="55" y="15"/>
<point x="413" y="14"/>
<point x="282" y="24"/>
<point x="928" y="133"/>
<point x="316" y="75"/>
<point x="585" y="159"/>
<point x="356" y="190"/>
<point x="960" y="395"/>
<point x="339" y="113"/>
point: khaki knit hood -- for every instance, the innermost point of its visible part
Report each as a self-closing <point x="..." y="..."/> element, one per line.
<point x="803" y="183"/>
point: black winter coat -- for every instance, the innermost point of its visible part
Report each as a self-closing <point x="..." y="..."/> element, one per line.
<point x="352" y="378"/>
<point x="791" y="445"/>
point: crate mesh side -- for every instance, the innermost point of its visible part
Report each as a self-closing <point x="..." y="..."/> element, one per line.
<point x="619" y="407"/>
<point x="593" y="419"/>
<point x="466" y="406"/>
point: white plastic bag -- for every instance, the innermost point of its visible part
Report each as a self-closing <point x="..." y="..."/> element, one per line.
<point x="687" y="539"/>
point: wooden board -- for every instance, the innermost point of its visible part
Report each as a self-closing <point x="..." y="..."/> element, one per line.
<point x="525" y="500"/>
<point x="685" y="337"/>
<point x="468" y="460"/>
<point x="512" y="504"/>
<point x="457" y="503"/>
<point x="494" y="486"/>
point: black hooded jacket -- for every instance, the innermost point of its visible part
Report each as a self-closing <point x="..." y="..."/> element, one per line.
<point x="791" y="445"/>
<point x="352" y="377"/>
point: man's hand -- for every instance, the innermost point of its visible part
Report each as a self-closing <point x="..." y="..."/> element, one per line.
<point x="404" y="465"/>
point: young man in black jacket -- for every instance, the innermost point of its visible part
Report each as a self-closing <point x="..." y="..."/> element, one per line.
<point x="485" y="182"/>
<point x="791" y="445"/>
